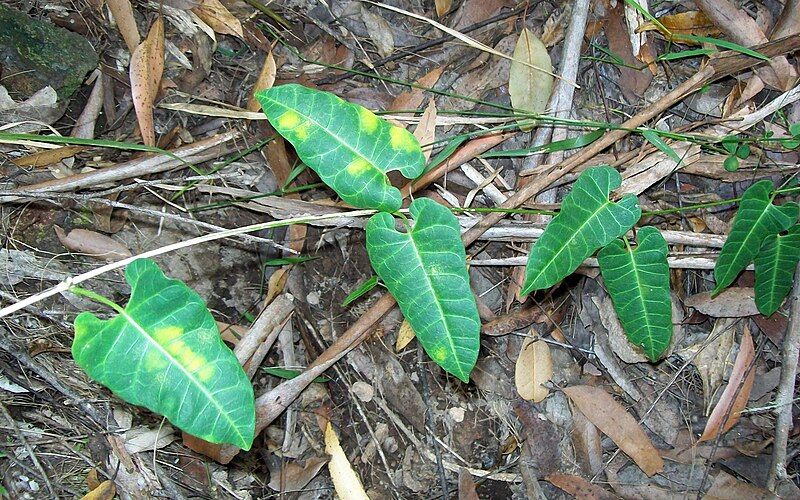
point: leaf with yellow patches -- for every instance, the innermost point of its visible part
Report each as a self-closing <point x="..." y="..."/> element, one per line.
<point x="425" y="269"/>
<point x="347" y="145"/>
<point x="163" y="351"/>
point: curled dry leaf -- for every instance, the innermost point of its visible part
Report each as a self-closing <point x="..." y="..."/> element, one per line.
<point x="219" y="18"/>
<point x="712" y="359"/>
<point x="616" y="423"/>
<point x="736" y="394"/>
<point x="104" y="491"/>
<point x="265" y="80"/>
<point x="528" y="84"/>
<point x="126" y="23"/>
<point x="533" y="370"/>
<point x="93" y="244"/>
<point x="426" y="129"/>
<point x="147" y="66"/>
<point x="345" y="480"/>
<point x="693" y="22"/>
<point x="443" y="7"/>
<point x="730" y="303"/>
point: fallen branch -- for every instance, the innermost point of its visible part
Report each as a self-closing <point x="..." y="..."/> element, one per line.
<point x="784" y="400"/>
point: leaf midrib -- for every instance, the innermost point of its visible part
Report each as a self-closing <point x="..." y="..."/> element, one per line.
<point x="335" y="136"/>
<point x="740" y="248"/>
<point x="575" y="235"/>
<point x="640" y="297"/>
<point x="191" y="377"/>
<point x="449" y="336"/>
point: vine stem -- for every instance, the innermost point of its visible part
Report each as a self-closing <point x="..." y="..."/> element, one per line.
<point x="97" y="298"/>
<point x="71" y="282"/>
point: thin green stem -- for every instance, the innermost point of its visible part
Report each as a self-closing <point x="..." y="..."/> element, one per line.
<point x="77" y="290"/>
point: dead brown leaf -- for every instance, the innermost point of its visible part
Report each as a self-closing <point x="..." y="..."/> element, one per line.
<point x="294" y="477"/>
<point x="466" y="486"/>
<point x="534" y="368"/>
<point x="788" y="22"/>
<point x="105" y="491"/>
<point x="265" y="80"/>
<point x="587" y="442"/>
<point x="727" y="487"/>
<point x="147" y="66"/>
<point x="93" y="244"/>
<point x="413" y="98"/>
<point x="734" y="398"/>
<point x="633" y="82"/>
<point x="426" y="129"/>
<point x="712" y="360"/>
<point x="530" y="81"/>
<point x="731" y="303"/>
<point x="219" y="18"/>
<point x="475" y="11"/>
<point x="579" y="487"/>
<point x="693" y="22"/>
<point x="379" y="31"/>
<point x="47" y="156"/>
<point x="126" y="23"/>
<point x="616" y="423"/>
<point x="443" y="7"/>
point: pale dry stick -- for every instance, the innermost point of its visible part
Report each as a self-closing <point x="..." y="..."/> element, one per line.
<point x="147" y="211"/>
<point x="66" y="284"/>
<point x="266" y="327"/>
<point x="197" y="152"/>
<point x="515" y="231"/>
<point x="673" y="262"/>
<point x="784" y="400"/>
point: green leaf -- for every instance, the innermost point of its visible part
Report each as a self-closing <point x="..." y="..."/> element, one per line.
<point x="283" y="261"/>
<point x="673" y="56"/>
<point x="425" y="270"/>
<point x="756" y="220"/>
<point x="731" y="163"/>
<point x="349" y="147"/>
<point x="638" y="282"/>
<point x="587" y="221"/>
<point x="363" y="288"/>
<point x="654" y="139"/>
<point x="775" y="265"/>
<point x="164" y="352"/>
<point x="725" y="44"/>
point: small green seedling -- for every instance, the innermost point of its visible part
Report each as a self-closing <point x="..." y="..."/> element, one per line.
<point x="736" y="151"/>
